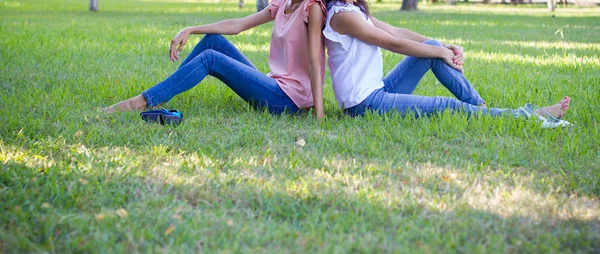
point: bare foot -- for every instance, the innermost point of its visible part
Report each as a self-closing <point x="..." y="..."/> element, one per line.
<point x="559" y="109"/>
<point x="135" y="103"/>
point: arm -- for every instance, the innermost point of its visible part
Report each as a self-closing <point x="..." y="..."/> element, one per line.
<point x="410" y="35"/>
<point x="233" y="26"/>
<point x="230" y="26"/>
<point x="315" y="49"/>
<point x="398" y="32"/>
<point x="353" y="24"/>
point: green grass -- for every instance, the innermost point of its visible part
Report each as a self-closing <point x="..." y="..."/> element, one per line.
<point x="231" y="179"/>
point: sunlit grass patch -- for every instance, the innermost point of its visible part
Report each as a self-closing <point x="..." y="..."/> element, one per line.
<point x="572" y="61"/>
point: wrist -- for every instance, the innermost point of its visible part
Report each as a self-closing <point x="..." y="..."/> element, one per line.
<point x="443" y="52"/>
<point x="189" y="30"/>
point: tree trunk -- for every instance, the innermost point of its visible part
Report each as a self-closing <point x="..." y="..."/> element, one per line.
<point x="261" y="4"/>
<point x="451" y="2"/>
<point x="551" y="5"/>
<point x="93" y="5"/>
<point x="486" y="1"/>
<point x="241" y="4"/>
<point x="409" y="5"/>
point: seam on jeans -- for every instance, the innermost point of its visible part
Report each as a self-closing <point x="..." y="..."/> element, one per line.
<point x="209" y="72"/>
<point x="190" y="73"/>
<point x="212" y="44"/>
<point x="149" y="99"/>
<point x="445" y="65"/>
<point x="395" y="82"/>
<point x="279" y="92"/>
<point x="225" y="52"/>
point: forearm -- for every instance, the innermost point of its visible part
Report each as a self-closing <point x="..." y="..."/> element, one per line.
<point x="316" y="75"/>
<point x="417" y="49"/>
<point x="230" y="27"/>
<point x="315" y="57"/>
<point x="413" y="36"/>
<point x="316" y="86"/>
<point x="410" y="35"/>
<point x="398" y="32"/>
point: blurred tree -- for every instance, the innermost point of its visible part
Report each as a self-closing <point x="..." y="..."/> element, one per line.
<point x="93" y="5"/>
<point x="261" y="4"/>
<point x="551" y="4"/>
<point x="409" y="5"/>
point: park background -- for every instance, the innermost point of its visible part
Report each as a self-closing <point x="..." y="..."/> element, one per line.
<point x="234" y="179"/>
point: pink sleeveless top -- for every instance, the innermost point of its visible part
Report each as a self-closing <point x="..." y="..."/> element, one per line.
<point x="288" y="57"/>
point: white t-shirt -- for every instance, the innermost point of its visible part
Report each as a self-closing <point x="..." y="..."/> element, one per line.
<point x="356" y="67"/>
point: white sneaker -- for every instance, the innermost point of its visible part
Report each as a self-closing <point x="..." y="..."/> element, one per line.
<point x="548" y="121"/>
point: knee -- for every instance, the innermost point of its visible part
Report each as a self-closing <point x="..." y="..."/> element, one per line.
<point x="212" y="37"/>
<point x="433" y="43"/>
<point x="205" y="57"/>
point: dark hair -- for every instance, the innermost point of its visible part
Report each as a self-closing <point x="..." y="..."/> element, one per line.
<point x="362" y="4"/>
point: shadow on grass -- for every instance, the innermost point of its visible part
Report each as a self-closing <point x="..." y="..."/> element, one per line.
<point x="223" y="207"/>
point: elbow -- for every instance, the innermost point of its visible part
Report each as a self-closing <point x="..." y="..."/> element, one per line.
<point x="237" y="30"/>
<point x="394" y="47"/>
<point x="234" y="28"/>
<point x="234" y="31"/>
<point x="397" y="46"/>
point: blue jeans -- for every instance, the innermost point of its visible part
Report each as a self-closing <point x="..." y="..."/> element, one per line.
<point x="399" y="84"/>
<point x="216" y="56"/>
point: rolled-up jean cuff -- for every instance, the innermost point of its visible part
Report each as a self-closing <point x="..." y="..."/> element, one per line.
<point x="149" y="99"/>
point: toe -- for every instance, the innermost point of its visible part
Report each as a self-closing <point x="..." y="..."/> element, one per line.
<point x="565" y="101"/>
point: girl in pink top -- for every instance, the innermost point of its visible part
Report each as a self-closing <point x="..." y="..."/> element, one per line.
<point x="296" y="60"/>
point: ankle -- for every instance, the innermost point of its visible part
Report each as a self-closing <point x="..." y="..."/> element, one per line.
<point x="138" y="102"/>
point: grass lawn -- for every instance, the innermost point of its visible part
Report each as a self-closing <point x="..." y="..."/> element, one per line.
<point x="232" y="179"/>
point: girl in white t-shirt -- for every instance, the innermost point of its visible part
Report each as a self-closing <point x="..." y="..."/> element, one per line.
<point x="353" y="39"/>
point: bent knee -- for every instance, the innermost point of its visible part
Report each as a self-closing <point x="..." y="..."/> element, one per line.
<point x="212" y="37"/>
<point x="206" y="57"/>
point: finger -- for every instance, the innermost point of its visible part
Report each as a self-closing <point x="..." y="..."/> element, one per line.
<point x="172" y="50"/>
<point x="458" y="67"/>
<point x="173" y="55"/>
<point x="460" y="58"/>
<point x="176" y="53"/>
<point x="179" y="50"/>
